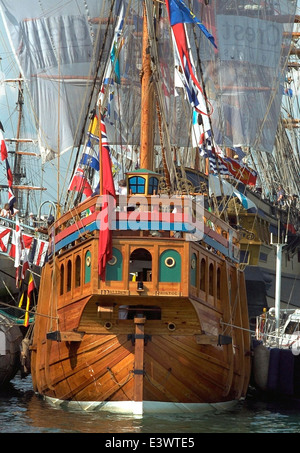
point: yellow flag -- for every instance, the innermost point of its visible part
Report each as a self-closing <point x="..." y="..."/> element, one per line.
<point x="93" y="131"/>
<point x="31" y="287"/>
<point x="26" y="319"/>
<point x="21" y="300"/>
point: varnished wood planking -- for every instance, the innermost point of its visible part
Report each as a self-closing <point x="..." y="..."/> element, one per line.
<point x="89" y="351"/>
<point x="210" y="353"/>
<point x="87" y="371"/>
<point x="161" y="383"/>
<point x="188" y="352"/>
<point x="90" y="366"/>
<point x="192" y="374"/>
<point x="100" y="383"/>
<point x="180" y="312"/>
<point x="171" y="311"/>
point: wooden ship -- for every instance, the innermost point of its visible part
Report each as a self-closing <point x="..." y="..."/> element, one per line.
<point x="149" y="315"/>
<point x="174" y="339"/>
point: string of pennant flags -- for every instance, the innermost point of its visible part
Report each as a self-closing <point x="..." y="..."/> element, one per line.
<point x="25" y="250"/>
<point x="35" y="249"/>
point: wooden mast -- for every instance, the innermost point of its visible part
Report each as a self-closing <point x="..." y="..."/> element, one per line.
<point x="139" y="323"/>
<point x="17" y="163"/>
<point x="146" y="162"/>
<point x="146" y="153"/>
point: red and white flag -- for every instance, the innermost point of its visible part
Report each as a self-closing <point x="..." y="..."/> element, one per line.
<point x="25" y="264"/>
<point x="4" y="238"/>
<point x="79" y="183"/>
<point x="40" y="252"/>
<point x="3" y="148"/>
<point x="27" y="240"/>
<point x="17" y="245"/>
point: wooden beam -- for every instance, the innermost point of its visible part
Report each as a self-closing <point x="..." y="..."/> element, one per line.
<point x="57" y="335"/>
<point x="206" y="339"/>
<point x="218" y="340"/>
<point x="139" y="359"/>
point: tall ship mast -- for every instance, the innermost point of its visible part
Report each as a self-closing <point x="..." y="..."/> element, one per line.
<point x="20" y="161"/>
<point x="21" y="183"/>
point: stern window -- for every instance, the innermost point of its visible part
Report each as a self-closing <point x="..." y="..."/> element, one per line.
<point x="133" y="311"/>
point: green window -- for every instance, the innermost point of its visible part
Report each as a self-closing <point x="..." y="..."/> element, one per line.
<point x="87" y="267"/>
<point x="170" y="266"/>
<point x="115" y="266"/>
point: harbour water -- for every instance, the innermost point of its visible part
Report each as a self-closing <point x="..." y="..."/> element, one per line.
<point x="22" y="411"/>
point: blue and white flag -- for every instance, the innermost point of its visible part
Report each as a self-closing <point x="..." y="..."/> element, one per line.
<point x="90" y="157"/>
<point x="180" y="14"/>
<point x="216" y="164"/>
<point x="184" y="66"/>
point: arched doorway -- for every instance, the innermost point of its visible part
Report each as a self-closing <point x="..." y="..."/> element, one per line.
<point x="140" y="265"/>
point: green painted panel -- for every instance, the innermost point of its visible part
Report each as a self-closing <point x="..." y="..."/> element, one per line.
<point x="87" y="267"/>
<point x="170" y="266"/>
<point x="114" y="269"/>
<point x="194" y="270"/>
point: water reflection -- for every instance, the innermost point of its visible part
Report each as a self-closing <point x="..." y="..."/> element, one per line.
<point x="21" y="410"/>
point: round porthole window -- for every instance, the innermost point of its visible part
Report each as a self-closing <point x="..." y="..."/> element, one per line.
<point x="113" y="261"/>
<point x="171" y="326"/>
<point x="108" y="325"/>
<point x="88" y="261"/>
<point x="170" y="262"/>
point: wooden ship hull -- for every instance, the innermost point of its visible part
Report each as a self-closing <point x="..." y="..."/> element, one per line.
<point x="174" y="340"/>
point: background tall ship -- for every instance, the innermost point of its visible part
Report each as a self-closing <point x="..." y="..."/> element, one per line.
<point x="21" y="170"/>
<point x="269" y="219"/>
<point x="149" y="314"/>
<point x="21" y="165"/>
